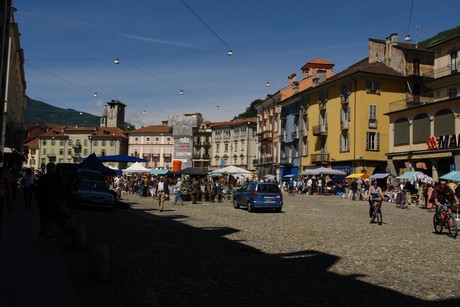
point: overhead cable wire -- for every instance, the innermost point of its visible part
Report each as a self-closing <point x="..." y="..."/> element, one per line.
<point x="205" y="24"/>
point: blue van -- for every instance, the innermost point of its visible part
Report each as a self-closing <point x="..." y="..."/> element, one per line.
<point x="259" y="195"/>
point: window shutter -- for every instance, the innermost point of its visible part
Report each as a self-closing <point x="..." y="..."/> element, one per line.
<point x="367" y="140"/>
<point x="348" y="141"/>
<point x="349" y="113"/>
<point x="378" y="141"/>
<point x="342" y="118"/>
<point x="341" y="143"/>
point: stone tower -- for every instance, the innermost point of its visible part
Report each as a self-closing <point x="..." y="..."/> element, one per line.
<point x="114" y="114"/>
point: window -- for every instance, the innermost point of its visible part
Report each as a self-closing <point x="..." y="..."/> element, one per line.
<point x="96" y="143"/>
<point x="85" y="142"/>
<point x="322" y="98"/>
<point x="168" y="140"/>
<point x="345" y="91"/>
<point x="136" y="140"/>
<point x="453" y="92"/>
<point x="372" y="116"/>
<point x="373" y="87"/>
<point x="44" y="142"/>
<point x="61" y="142"/>
<point x="85" y="152"/>
<point x="112" y="143"/>
<point x="454" y="61"/>
<point x="53" y="142"/>
<point x="217" y="147"/>
<point x="44" y="151"/>
<point x="78" y="143"/>
<point x="157" y="140"/>
<point x="103" y="142"/>
<point x="235" y="146"/>
<point x="148" y="140"/>
<point x="61" y="152"/>
<point x="444" y="123"/>
<point x="69" y="152"/>
<point x="103" y="152"/>
<point x="420" y="128"/>
<point x="401" y="132"/>
<point x="225" y="147"/>
<point x="373" y="141"/>
<point x="344" y="142"/>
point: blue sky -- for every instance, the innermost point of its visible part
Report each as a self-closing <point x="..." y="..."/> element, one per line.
<point x="163" y="47"/>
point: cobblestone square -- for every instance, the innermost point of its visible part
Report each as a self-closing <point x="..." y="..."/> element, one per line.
<point x="319" y="250"/>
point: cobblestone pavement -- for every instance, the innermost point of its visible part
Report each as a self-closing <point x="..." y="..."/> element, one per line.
<point x="318" y="250"/>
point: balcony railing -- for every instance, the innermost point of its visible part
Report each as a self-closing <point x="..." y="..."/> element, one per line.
<point x="319" y="130"/>
<point x="410" y="102"/>
<point x="295" y="135"/>
<point x="266" y="135"/>
<point x="263" y="160"/>
<point x="319" y="157"/>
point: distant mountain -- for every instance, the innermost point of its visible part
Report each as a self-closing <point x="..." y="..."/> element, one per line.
<point x="442" y="36"/>
<point x="40" y="111"/>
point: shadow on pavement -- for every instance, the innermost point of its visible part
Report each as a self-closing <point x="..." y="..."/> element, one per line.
<point x="192" y="266"/>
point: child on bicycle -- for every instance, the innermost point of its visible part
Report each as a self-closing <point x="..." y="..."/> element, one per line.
<point x="443" y="195"/>
<point x="374" y="192"/>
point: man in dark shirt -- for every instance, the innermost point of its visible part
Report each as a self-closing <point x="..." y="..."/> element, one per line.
<point x="443" y="195"/>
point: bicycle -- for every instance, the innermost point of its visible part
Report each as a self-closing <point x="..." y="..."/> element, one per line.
<point x="377" y="211"/>
<point x="401" y="200"/>
<point x="447" y="220"/>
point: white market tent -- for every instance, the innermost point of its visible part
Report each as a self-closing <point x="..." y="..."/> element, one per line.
<point x="321" y="170"/>
<point x="231" y="170"/>
<point x="136" y="168"/>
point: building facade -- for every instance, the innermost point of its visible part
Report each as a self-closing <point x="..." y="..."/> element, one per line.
<point x="202" y="136"/>
<point x="426" y="136"/>
<point x="234" y="143"/>
<point x="154" y="143"/>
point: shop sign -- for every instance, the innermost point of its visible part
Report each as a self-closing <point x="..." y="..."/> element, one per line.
<point x="444" y="141"/>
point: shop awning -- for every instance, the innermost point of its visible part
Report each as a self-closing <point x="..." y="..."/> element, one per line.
<point x="357" y="175"/>
<point x="454" y="176"/>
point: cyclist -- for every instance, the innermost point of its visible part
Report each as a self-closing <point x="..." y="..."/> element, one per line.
<point x="443" y="195"/>
<point x="374" y="192"/>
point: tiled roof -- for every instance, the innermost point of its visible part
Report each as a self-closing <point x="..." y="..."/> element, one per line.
<point x="152" y="129"/>
<point x="365" y="67"/>
<point x="234" y="123"/>
<point x="62" y="131"/>
<point x="32" y="144"/>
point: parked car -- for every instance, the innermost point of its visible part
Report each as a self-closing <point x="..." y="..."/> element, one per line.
<point x="259" y="195"/>
<point x="93" y="193"/>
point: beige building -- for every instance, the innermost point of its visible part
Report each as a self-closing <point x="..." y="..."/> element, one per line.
<point x="426" y="136"/>
<point x="154" y="143"/>
<point x="234" y="143"/>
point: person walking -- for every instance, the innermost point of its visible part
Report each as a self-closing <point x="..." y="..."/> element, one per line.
<point x="49" y="195"/>
<point x="162" y="186"/>
<point x="177" y="190"/>
<point x="195" y="190"/>
<point x="354" y="188"/>
<point x="28" y="187"/>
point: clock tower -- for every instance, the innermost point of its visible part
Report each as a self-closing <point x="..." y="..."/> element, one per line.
<point x="114" y="114"/>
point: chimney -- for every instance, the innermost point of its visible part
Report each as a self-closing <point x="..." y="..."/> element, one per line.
<point x="295" y="87"/>
<point x="291" y="79"/>
<point x="394" y="38"/>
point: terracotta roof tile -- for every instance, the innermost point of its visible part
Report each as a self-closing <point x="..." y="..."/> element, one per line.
<point x="152" y="129"/>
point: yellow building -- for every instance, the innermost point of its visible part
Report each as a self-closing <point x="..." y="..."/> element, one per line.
<point x="347" y="128"/>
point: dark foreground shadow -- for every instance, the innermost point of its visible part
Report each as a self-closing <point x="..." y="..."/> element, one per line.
<point x="187" y="266"/>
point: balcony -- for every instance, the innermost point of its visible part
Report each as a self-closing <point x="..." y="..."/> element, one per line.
<point x="167" y="155"/>
<point x="319" y="130"/>
<point x="196" y="156"/>
<point x="263" y="160"/>
<point x="295" y="135"/>
<point x="344" y="98"/>
<point x="319" y="157"/>
<point x="410" y="102"/>
<point x="265" y="136"/>
<point x="372" y="123"/>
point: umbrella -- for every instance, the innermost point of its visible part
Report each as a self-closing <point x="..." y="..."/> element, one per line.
<point x="454" y="176"/>
<point x="380" y="175"/>
<point x="415" y="176"/>
<point x="322" y="170"/>
<point x="191" y="171"/>
<point x="121" y="158"/>
<point x="231" y="170"/>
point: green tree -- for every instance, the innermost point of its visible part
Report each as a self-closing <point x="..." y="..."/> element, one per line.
<point x="250" y="111"/>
